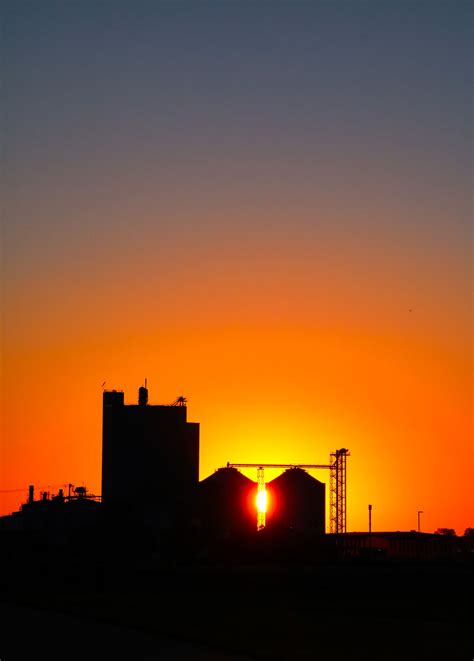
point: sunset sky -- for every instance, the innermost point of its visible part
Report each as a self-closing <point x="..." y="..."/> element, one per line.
<point x="263" y="206"/>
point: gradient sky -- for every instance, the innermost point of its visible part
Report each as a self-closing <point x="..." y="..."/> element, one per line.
<point x="263" y="206"/>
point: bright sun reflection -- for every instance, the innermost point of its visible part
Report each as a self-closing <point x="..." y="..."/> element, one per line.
<point x="262" y="501"/>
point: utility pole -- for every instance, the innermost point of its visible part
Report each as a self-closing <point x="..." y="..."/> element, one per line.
<point x="370" y="518"/>
<point x="419" y="512"/>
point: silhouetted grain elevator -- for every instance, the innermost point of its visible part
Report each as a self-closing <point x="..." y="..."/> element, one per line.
<point x="150" y="458"/>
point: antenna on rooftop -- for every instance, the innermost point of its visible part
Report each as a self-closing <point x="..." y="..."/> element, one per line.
<point x="143" y="395"/>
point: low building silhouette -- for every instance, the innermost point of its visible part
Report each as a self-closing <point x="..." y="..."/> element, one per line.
<point x="399" y="545"/>
<point x="56" y="516"/>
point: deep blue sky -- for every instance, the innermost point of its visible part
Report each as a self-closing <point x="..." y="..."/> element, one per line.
<point x="306" y="91"/>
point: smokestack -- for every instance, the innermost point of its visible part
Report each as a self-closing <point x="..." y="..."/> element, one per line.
<point x="31" y="493"/>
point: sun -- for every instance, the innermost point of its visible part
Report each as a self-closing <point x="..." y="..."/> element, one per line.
<point x="262" y="501"/>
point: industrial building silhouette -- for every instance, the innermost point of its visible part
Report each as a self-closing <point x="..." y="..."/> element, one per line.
<point x="150" y="458"/>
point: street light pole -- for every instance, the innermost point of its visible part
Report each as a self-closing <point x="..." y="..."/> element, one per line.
<point x="370" y="518"/>
<point x="419" y="512"/>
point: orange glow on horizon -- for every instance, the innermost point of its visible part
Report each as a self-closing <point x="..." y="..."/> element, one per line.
<point x="281" y="395"/>
<point x="269" y="377"/>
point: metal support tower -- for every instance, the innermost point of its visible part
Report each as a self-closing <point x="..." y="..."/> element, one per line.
<point x="337" y="492"/>
<point x="260" y="489"/>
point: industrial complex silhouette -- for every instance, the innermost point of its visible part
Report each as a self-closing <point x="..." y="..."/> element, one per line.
<point x="145" y="553"/>
<point x="150" y="485"/>
<point x="150" y="465"/>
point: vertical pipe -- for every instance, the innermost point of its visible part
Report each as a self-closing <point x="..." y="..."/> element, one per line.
<point x="261" y="505"/>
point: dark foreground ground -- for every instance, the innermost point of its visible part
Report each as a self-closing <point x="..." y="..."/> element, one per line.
<point x="328" y="610"/>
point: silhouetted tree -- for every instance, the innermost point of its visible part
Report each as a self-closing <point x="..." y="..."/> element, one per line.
<point x="469" y="532"/>
<point x="445" y="531"/>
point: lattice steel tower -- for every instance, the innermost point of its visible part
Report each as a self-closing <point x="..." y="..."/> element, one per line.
<point x="337" y="491"/>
